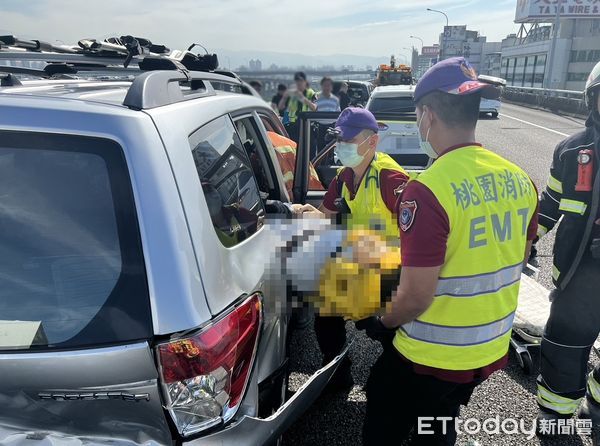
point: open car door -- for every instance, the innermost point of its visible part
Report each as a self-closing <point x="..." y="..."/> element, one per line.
<point x="398" y="137"/>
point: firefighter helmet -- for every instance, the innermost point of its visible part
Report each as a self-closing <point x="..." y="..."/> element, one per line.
<point x="592" y="87"/>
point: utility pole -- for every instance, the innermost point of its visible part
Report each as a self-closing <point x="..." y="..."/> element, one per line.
<point x="550" y="61"/>
<point x="444" y="33"/>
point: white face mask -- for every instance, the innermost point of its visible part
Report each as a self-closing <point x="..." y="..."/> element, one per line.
<point x="425" y="144"/>
<point x="348" y="155"/>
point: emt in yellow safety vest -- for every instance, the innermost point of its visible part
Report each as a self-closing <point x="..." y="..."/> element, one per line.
<point x="466" y="225"/>
<point x="366" y="190"/>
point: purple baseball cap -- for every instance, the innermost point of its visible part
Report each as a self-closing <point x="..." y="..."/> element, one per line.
<point x="354" y="120"/>
<point x="454" y="76"/>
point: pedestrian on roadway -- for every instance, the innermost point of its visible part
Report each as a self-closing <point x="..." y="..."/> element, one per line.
<point x="281" y="88"/>
<point x="327" y="101"/>
<point x="343" y="96"/>
<point x="572" y="197"/>
<point x="299" y="99"/>
<point x="466" y="226"/>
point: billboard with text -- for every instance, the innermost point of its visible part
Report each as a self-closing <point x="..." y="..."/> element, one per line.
<point x="545" y="11"/>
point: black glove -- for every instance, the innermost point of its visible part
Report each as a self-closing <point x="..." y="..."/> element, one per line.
<point x="375" y="329"/>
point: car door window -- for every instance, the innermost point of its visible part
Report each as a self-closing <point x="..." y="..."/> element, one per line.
<point x="257" y="150"/>
<point x="229" y="186"/>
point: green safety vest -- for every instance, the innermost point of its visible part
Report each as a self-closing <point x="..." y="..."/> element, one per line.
<point x="295" y="104"/>
<point x="368" y="210"/>
<point x="489" y="202"/>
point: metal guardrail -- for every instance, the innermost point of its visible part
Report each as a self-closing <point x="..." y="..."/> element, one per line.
<point x="574" y="94"/>
<point x="558" y="101"/>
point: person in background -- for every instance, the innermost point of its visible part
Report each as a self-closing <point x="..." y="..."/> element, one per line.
<point x="343" y="96"/>
<point x="300" y="99"/>
<point x="281" y="88"/>
<point x="327" y="102"/>
<point x="257" y="85"/>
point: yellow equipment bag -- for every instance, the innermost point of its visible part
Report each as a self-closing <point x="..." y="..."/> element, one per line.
<point x="351" y="282"/>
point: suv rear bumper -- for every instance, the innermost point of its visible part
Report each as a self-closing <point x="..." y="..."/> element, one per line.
<point x="248" y="431"/>
<point x="252" y="431"/>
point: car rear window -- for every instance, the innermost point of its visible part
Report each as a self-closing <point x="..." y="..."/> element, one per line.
<point x="392" y="104"/>
<point x="71" y="264"/>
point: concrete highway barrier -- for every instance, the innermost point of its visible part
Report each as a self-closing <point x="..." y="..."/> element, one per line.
<point x="558" y="101"/>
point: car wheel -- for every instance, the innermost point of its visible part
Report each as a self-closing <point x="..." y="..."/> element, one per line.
<point x="495" y="115"/>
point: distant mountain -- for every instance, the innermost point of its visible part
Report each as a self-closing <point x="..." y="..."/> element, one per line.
<point x="236" y="58"/>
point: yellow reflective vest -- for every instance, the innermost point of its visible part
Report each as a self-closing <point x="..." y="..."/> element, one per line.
<point x="368" y="210"/>
<point x="490" y="203"/>
<point x="295" y="106"/>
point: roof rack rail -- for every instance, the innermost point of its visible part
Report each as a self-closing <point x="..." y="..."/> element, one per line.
<point x="35" y="45"/>
<point x="157" y="88"/>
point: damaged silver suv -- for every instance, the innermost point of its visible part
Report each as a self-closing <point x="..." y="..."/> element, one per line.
<point x="136" y="300"/>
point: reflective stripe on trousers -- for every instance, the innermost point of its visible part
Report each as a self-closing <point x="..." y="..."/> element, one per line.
<point x="557" y="403"/>
<point x="458" y="336"/>
<point x="471" y="286"/>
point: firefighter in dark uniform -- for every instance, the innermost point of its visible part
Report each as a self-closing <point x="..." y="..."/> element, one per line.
<point x="573" y="193"/>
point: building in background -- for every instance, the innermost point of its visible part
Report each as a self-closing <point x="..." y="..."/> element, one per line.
<point x="491" y="59"/>
<point x="459" y="41"/>
<point x="429" y="56"/>
<point x="255" y="65"/>
<point x="555" y="48"/>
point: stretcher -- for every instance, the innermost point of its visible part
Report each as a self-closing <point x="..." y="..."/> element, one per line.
<point x="533" y="310"/>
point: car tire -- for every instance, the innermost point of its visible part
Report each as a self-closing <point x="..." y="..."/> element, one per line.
<point x="495" y="115"/>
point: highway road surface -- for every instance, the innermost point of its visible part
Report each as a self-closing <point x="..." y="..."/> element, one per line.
<point x="528" y="138"/>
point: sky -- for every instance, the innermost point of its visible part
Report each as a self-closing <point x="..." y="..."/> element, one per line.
<point x="318" y="27"/>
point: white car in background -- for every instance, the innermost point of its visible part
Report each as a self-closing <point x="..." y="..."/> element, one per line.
<point x="399" y="138"/>
<point x="490" y="106"/>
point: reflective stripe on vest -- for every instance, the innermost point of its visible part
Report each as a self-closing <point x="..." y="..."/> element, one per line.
<point x="555" y="185"/>
<point x="577" y="207"/>
<point x="489" y="203"/>
<point x="459" y="336"/>
<point x="557" y="403"/>
<point x="368" y="210"/>
<point x="480" y="284"/>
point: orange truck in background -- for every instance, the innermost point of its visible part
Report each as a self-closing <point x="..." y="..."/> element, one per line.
<point x="393" y="74"/>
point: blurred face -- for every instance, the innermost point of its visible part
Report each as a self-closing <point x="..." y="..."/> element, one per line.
<point x="366" y="140"/>
<point x="300" y="84"/>
<point x="327" y="87"/>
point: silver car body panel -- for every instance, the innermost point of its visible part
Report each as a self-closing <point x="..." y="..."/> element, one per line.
<point x="85" y="392"/>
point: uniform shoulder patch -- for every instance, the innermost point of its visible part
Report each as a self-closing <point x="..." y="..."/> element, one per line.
<point x="408" y="212"/>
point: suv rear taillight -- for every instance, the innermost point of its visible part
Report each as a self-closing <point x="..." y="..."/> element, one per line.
<point x="204" y="376"/>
